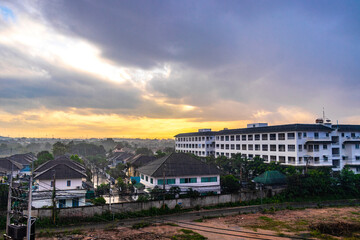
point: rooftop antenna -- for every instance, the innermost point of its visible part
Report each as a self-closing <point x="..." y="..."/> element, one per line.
<point x="324" y="113"/>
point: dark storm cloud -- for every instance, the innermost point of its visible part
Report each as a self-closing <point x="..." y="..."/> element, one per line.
<point x="261" y="54"/>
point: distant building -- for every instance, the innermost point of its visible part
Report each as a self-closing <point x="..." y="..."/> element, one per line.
<point x="119" y="157"/>
<point x="320" y="144"/>
<point x="69" y="178"/>
<point x="137" y="161"/>
<point x="182" y="170"/>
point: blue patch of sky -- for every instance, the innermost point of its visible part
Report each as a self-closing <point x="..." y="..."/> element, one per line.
<point x="6" y="13"/>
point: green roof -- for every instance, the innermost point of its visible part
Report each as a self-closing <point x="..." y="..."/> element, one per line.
<point x="271" y="178"/>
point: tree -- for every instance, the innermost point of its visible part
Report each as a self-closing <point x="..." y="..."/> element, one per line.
<point x="98" y="201"/>
<point x="42" y="157"/>
<point x="59" y="149"/>
<point x="121" y="186"/>
<point x="118" y="171"/>
<point x="102" y="189"/>
<point x="77" y="159"/>
<point x="144" y="151"/>
<point x="160" y="154"/>
<point x="229" y="184"/>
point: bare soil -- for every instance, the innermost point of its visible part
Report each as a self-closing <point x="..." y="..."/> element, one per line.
<point x="284" y="224"/>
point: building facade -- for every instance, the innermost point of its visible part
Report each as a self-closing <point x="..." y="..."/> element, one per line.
<point x="201" y="143"/>
<point x="180" y="170"/>
<point x="320" y="144"/>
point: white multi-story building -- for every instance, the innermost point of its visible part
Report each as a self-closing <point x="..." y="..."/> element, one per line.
<point x="201" y="143"/>
<point x="320" y="144"/>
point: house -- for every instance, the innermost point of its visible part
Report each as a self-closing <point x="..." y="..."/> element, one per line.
<point x="119" y="157"/>
<point x="319" y="144"/>
<point x="7" y="165"/>
<point x="66" y="176"/>
<point x="25" y="160"/>
<point x="136" y="162"/>
<point x="181" y="170"/>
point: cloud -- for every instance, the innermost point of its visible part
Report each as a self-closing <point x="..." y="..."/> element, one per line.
<point x="205" y="61"/>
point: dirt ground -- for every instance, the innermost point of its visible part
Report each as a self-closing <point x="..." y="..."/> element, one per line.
<point x="270" y="224"/>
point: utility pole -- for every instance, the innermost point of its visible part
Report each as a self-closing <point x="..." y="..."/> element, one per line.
<point x="29" y="220"/>
<point x="53" y="199"/>
<point x="9" y="201"/>
<point x="164" y="169"/>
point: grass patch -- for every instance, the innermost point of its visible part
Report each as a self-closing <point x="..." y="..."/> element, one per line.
<point x="188" y="235"/>
<point x="337" y="229"/>
<point x="355" y="213"/>
<point x="141" y="225"/>
<point x="278" y="226"/>
<point x="320" y="235"/>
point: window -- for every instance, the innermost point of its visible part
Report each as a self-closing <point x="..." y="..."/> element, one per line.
<point x="250" y="147"/>
<point x="170" y="181"/>
<point x="251" y="156"/>
<point x="257" y="137"/>
<point x="281" y="136"/>
<point x="226" y="138"/>
<point x="357" y="146"/>
<point x="160" y="182"/>
<point x="343" y="146"/>
<point x="272" y="158"/>
<point x="244" y="147"/>
<point x="300" y="159"/>
<point x="316" y="159"/>
<point x="325" y="158"/>
<point x="327" y="134"/>
<point x="342" y="134"/>
<point x="62" y="203"/>
<point x="222" y="138"/>
<point x="257" y="147"/>
<point x="265" y="157"/>
<point x="357" y="158"/>
<point x="273" y="148"/>
<point x="222" y="146"/>
<point x="209" y="179"/>
<point x="273" y="136"/>
<point x="299" y="135"/>
<point x="232" y="138"/>
<point x="232" y="146"/>
<point x="226" y="146"/>
<point x="291" y="148"/>
<point x="291" y="159"/>
<point x="243" y="137"/>
<point x="264" y="137"/>
<point x="291" y="136"/>
<point x="324" y="146"/>
<point x="353" y="135"/>
<point x="300" y="148"/>
<point x="151" y="180"/>
<point x="316" y="148"/>
<point x="142" y="176"/>
<point x="237" y="137"/>
<point x="147" y="178"/>
<point x="281" y="148"/>
<point x="282" y="159"/>
<point x="237" y="146"/>
<point x="316" y="135"/>
<point x="304" y="134"/>
<point x="250" y="137"/>
<point x="188" y="180"/>
<point x="68" y="183"/>
<point x="264" y="147"/>
<point x="75" y="202"/>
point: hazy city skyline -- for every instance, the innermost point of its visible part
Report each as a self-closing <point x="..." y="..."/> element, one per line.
<point x="156" y="68"/>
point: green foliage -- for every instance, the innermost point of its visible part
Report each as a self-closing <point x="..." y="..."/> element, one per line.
<point x="4" y="190"/>
<point x="117" y="172"/>
<point x="144" y="151"/>
<point x="76" y="158"/>
<point x="188" y="235"/>
<point x="102" y="189"/>
<point x="42" y="157"/>
<point x="59" y="149"/>
<point x="192" y="193"/>
<point x="98" y="201"/>
<point x="229" y="184"/>
<point x="86" y="149"/>
<point x="160" y="154"/>
<point x="140" y="225"/>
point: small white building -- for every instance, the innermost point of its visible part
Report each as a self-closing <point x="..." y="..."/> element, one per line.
<point x="181" y="170"/>
<point x="68" y="177"/>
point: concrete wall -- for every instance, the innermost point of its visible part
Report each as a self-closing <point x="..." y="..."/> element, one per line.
<point x="88" y="211"/>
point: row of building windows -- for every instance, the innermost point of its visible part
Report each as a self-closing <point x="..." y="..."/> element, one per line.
<point x="194" y="145"/>
<point x="187" y="180"/>
<point x="194" y="139"/>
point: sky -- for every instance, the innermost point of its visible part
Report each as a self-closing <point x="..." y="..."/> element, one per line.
<point x="152" y="69"/>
